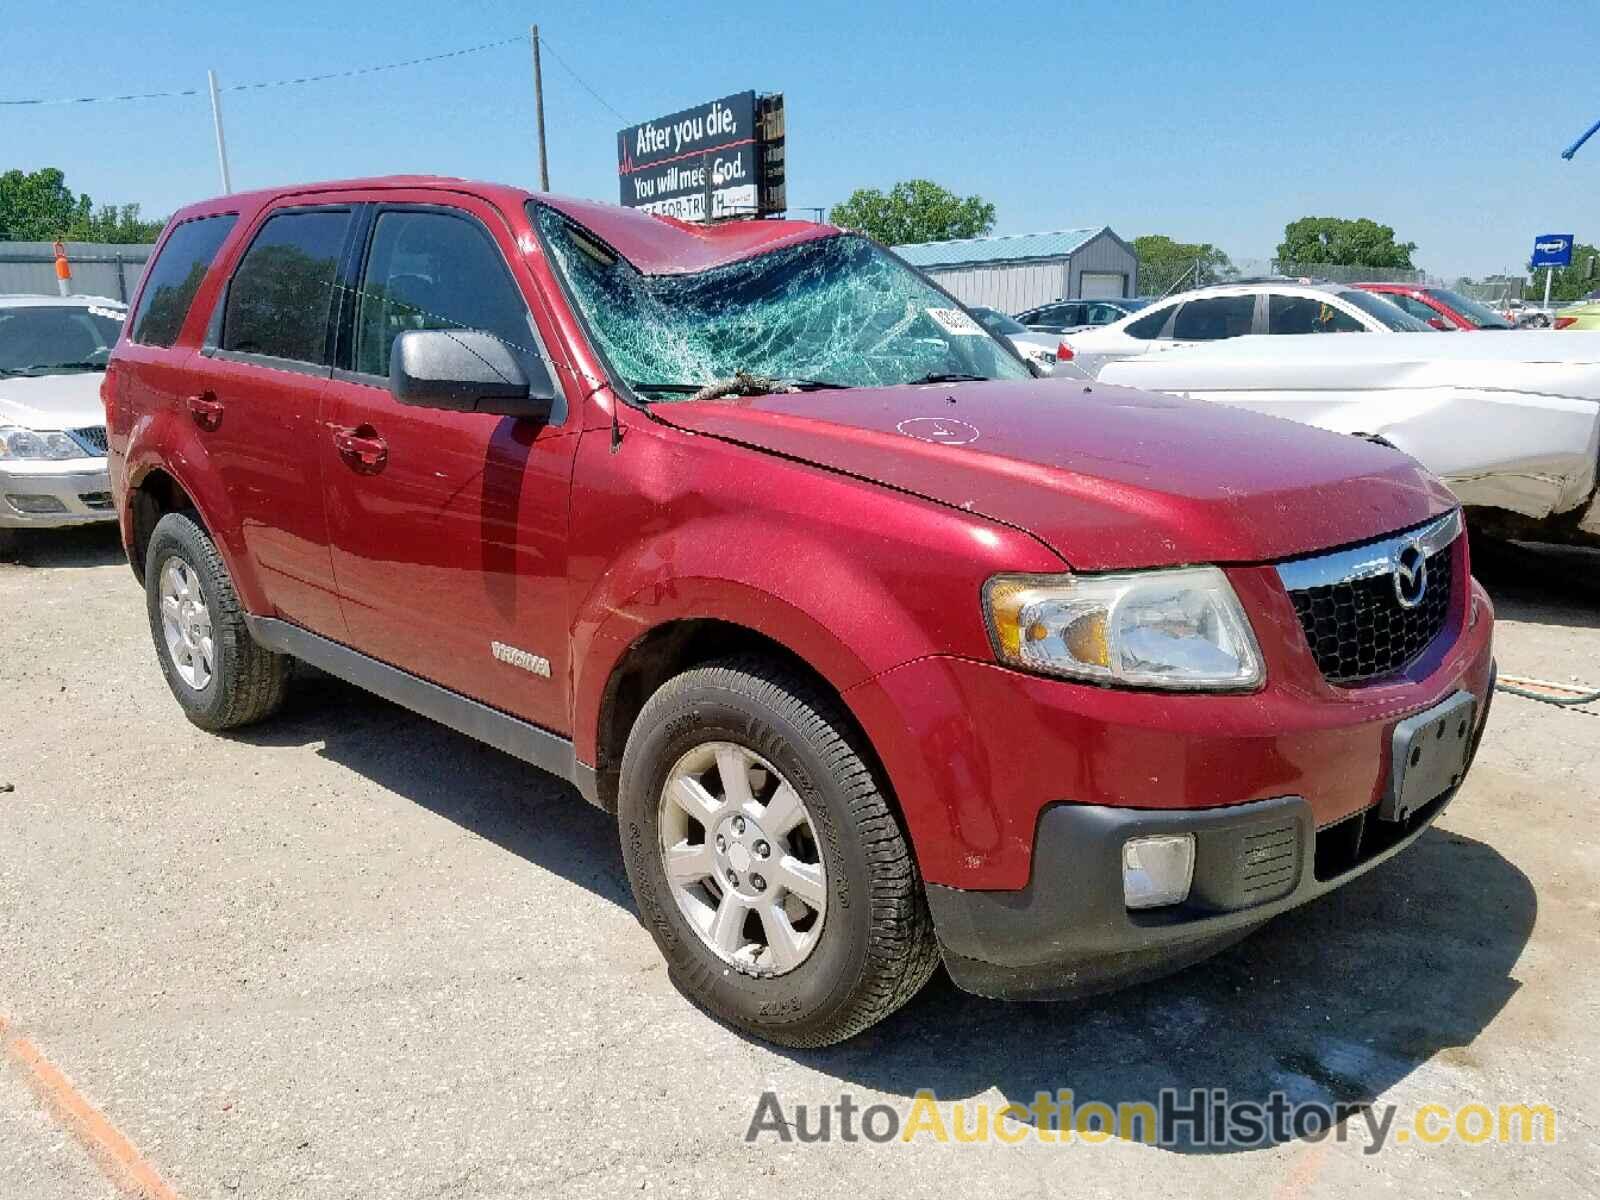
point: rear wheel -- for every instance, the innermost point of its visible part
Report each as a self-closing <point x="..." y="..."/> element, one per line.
<point x="220" y="676"/>
<point x="766" y="863"/>
<point x="10" y="542"/>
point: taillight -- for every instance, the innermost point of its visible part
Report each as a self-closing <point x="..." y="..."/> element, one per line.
<point x="1563" y="322"/>
<point x="1063" y="352"/>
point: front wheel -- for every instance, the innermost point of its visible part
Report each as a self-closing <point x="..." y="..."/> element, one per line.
<point x="766" y="863"/>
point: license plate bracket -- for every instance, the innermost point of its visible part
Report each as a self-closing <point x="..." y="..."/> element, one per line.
<point x="1429" y="756"/>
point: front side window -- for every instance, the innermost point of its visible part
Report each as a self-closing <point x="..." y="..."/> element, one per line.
<point x="432" y="270"/>
<point x="281" y="294"/>
<point x="834" y="311"/>
<point x="1312" y="314"/>
<point x="1214" y="318"/>
<point x="997" y="323"/>
<point x="175" y="277"/>
<point x="57" y="339"/>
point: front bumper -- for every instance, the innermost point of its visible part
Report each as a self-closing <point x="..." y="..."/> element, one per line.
<point x="1068" y="932"/>
<point x="76" y="492"/>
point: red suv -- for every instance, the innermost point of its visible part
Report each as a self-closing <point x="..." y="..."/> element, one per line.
<point x="1439" y="307"/>
<point x="880" y="650"/>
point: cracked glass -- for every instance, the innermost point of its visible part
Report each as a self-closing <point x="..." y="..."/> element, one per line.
<point x="834" y="311"/>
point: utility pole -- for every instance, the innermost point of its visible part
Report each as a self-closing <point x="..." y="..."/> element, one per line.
<point x="538" y="104"/>
<point x="216" y="121"/>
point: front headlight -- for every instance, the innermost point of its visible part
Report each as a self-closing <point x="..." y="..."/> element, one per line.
<point x="25" y="443"/>
<point x="1180" y="628"/>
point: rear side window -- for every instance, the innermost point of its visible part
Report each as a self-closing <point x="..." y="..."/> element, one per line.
<point x="1308" y="314"/>
<point x="280" y="295"/>
<point x="175" y="277"/>
<point x="1149" y="325"/>
<point x="1214" y="318"/>
<point x="433" y="270"/>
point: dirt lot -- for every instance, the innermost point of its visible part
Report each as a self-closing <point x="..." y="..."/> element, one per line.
<point x="352" y="954"/>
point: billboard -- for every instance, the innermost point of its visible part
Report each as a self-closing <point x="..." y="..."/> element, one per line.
<point x="708" y="163"/>
<point x="1551" y="250"/>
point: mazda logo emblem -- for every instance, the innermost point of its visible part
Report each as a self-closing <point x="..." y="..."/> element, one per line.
<point x="1410" y="575"/>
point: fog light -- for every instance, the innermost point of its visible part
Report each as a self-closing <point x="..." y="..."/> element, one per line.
<point x="1157" y="870"/>
<point x="35" y="505"/>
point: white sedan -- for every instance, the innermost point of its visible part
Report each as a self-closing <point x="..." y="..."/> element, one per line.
<point x="1231" y="310"/>
<point x="53" y="353"/>
<point x="1511" y="424"/>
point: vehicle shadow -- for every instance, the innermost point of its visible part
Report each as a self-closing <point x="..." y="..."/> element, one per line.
<point x="1334" y="1002"/>
<point x="75" y="546"/>
<point x="1544" y="584"/>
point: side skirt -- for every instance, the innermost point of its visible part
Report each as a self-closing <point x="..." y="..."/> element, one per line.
<point x="548" y="751"/>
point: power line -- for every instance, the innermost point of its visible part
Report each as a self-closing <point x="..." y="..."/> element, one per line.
<point x="544" y="41"/>
<point x="276" y="83"/>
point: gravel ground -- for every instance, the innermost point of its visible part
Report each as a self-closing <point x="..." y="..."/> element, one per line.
<point x="352" y="954"/>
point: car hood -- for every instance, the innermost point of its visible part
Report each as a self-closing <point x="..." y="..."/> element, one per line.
<point x="1108" y="477"/>
<point x="69" y="401"/>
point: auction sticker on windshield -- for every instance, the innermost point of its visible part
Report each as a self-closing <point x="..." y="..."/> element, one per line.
<point x="953" y="320"/>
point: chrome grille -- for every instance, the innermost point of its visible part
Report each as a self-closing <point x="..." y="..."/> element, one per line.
<point x="1350" y="605"/>
<point x="91" y="437"/>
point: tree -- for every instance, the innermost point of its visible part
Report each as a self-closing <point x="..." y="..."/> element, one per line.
<point x="1164" y="262"/>
<point x="1337" y="241"/>
<point x="915" y="210"/>
<point x="39" y="207"/>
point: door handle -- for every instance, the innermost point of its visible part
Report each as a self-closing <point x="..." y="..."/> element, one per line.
<point x="206" y="410"/>
<point x="361" y="447"/>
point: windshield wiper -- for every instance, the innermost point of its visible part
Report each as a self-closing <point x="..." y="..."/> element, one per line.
<point x="742" y="383"/>
<point x="35" y="368"/>
<point x="951" y="377"/>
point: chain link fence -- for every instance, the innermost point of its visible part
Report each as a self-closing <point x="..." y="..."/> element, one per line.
<point x="1166" y="276"/>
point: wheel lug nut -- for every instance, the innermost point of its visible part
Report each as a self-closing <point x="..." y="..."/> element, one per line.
<point x="738" y="824"/>
<point x="762" y="849"/>
<point x="722" y="843"/>
<point x="758" y="883"/>
<point x="733" y="879"/>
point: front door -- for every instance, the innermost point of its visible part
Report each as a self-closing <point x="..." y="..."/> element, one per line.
<point x="449" y="529"/>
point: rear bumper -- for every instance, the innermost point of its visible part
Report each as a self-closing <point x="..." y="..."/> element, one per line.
<point x="48" y="495"/>
<point x="1068" y="932"/>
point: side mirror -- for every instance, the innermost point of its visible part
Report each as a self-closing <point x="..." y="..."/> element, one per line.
<point x="467" y="370"/>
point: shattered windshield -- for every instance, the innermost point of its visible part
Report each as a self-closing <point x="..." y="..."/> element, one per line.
<point x="832" y="312"/>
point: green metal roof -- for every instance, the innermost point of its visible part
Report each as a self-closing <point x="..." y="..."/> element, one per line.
<point x="1010" y="248"/>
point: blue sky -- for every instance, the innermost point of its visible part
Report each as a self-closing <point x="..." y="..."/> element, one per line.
<point x="1205" y="121"/>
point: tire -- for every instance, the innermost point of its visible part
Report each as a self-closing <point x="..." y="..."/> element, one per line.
<point x="10" y="544"/>
<point x="870" y="936"/>
<point x="242" y="682"/>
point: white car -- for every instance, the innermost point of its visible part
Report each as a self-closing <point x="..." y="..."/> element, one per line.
<point x="1512" y="425"/>
<point x="1036" y="348"/>
<point x="1233" y="310"/>
<point x="53" y="353"/>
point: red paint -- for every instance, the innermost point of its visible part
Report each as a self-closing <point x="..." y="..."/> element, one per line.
<point x="420" y="537"/>
<point x="1447" y="318"/>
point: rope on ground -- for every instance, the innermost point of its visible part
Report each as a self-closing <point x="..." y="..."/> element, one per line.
<point x="1547" y="691"/>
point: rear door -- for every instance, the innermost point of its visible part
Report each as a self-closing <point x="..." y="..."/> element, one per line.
<point x="258" y="388"/>
<point x="449" y="529"/>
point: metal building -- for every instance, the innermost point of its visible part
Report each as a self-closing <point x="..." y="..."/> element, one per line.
<point x="1023" y="270"/>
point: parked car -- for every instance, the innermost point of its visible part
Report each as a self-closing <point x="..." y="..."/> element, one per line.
<point x="1526" y="314"/>
<point x="1235" y="310"/>
<point x="1581" y="316"/>
<point x="53" y="351"/>
<point x="1037" y="348"/>
<point x="1439" y="308"/>
<point x="754" y="536"/>
<point x="1512" y="425"/>
<point x="1061" y="315"/>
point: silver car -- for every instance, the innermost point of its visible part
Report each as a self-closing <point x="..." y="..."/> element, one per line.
<point x="53" y="353"/>
<point x="1036" y="348"/>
